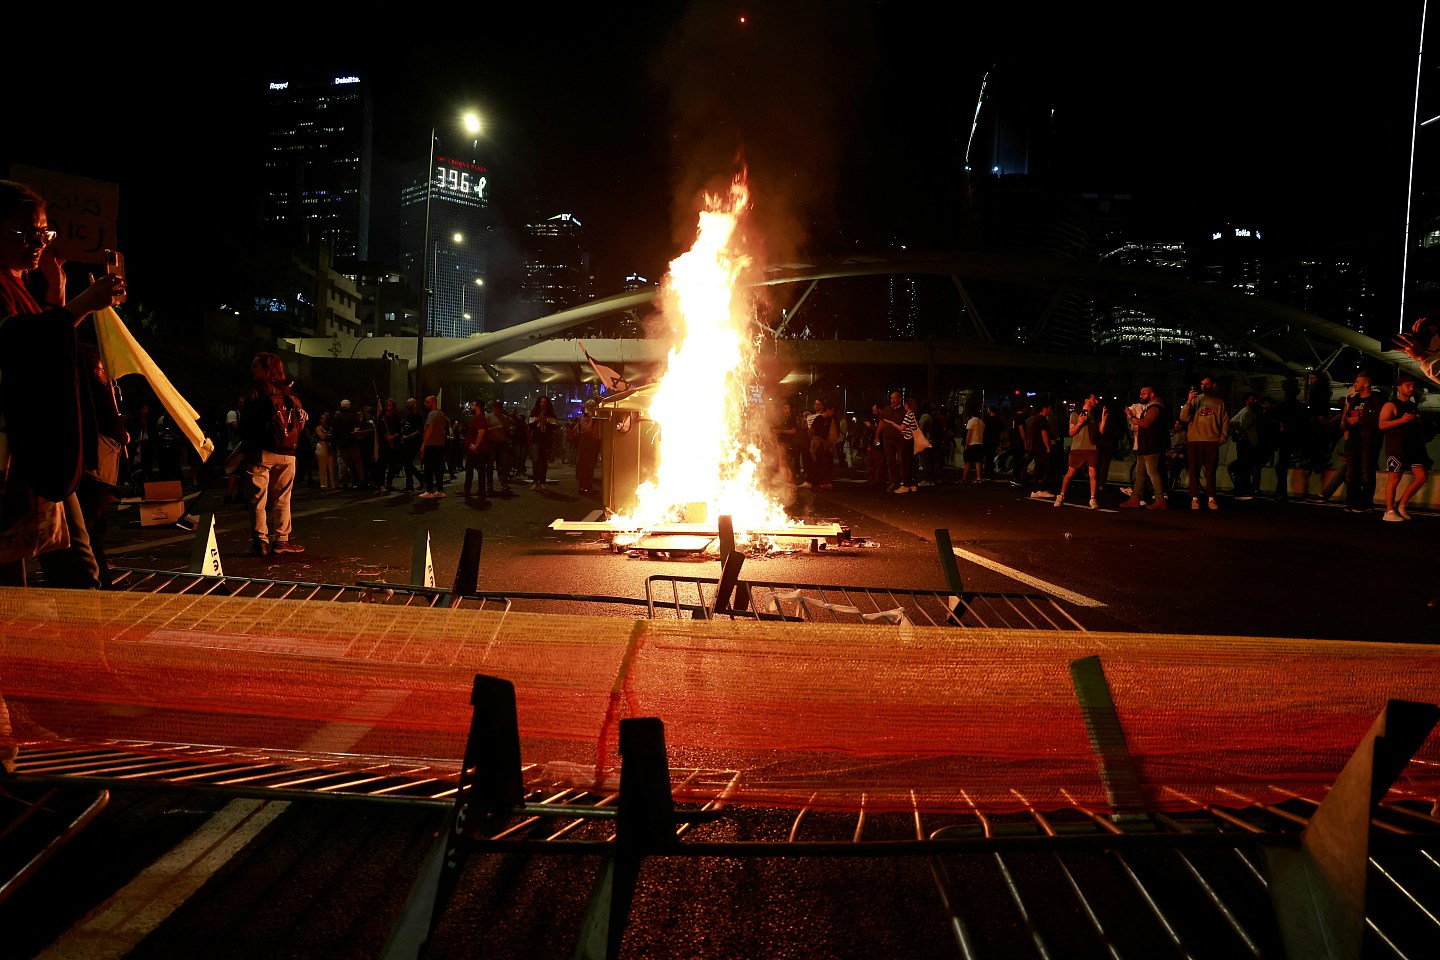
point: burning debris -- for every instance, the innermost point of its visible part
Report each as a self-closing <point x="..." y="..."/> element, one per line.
<point x="710" y="452"/>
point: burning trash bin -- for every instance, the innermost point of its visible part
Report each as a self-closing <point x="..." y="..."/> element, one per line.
<point x="629" y="446"/>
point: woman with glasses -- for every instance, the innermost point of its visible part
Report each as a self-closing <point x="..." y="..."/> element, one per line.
<point x="49" y="423"/>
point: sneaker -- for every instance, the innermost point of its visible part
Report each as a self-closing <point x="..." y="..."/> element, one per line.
<point x="1039" y="495"/>
<point x="1128" y="491"/>
<point x="1244" y="496"/>
<point x="901" y="490"/>
<point x="804" y="486"/>
<point x="1133" y="502"/>
<point x="1158" y="505"/>
<point x="1059" y="500"/>
<point x="439" y="494"/>
<point x="1194" y="504"/>
<point x="427" y="495"/>
<point x="259" y="548"/>
<point x="914" y="489"/>
<point x="1404" y="514"/>
<point x="287" y="546"/>
<point x="1214" y="504"/>
<point x="1392" y="517"/>
<point x="1094" y="504"/>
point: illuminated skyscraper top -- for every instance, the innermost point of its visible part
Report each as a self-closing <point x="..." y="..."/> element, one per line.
<point x="317" y="164"/>
<point x="458" y="252"/>
<point x="557" y="269"/>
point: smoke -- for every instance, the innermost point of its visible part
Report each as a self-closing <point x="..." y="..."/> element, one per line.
<point x="778" y="95"/>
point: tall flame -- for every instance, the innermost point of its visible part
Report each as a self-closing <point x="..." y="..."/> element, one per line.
<point x="708" y="452"/>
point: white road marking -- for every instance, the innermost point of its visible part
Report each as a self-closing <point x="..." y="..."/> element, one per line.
<point x="1079" y="599"/>
<point x="115" y="927"/>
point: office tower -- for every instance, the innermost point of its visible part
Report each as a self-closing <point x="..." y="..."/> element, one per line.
<point x="454" y="254"/>
<point x="1334" y="289"/>
<point x="1136" y="328"/>
<point x="1231" y="259"/>
<point x="317" y="164"/>
<point x="557" y="268"/>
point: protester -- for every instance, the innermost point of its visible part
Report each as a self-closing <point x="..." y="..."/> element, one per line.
<point x="1149" y="425"/>
<point x="1404" y="447"/>
<point x="50" y="424"/>
<point x="325" y="452"/>
<point x="432" y="455"/>
<point x="270" y="428"/>
<point x="391" y="429"/>
<point x="587" y="447"/>
<point x="347" y="447"/>
<point x="1207" y="424"/>
<point x="1086" y="425"/>
<point x="477" y="450"/>
<point x="412" y="433"/>
<point x="543" y="427"/>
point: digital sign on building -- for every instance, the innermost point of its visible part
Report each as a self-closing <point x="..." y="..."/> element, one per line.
<point x="462" y="179"/>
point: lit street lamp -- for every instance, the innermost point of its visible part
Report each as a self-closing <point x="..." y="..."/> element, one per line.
<point x="471" y="123"/>
<point x="479" y="282"/>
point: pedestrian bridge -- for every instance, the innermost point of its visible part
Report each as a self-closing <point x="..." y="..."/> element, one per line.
<point x="1050" y="298"/>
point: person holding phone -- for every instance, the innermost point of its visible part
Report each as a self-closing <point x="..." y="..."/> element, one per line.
<point x="1086" y="426"/>
<point x="1207" y="424"/>
<point x="1422" y="344"/>
<point x="48" y="414"/>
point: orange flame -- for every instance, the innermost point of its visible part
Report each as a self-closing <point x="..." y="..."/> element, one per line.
<point x="707" y="452"/>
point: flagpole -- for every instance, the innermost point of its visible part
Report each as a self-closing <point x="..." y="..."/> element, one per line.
<point x="1410" y="190"/>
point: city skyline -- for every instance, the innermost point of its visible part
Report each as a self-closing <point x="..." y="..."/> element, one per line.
<point x="853" y="120"/>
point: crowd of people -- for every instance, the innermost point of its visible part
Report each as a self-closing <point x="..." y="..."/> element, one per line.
<point x="1179" y="452"/>
<point x="61" y="469"/>
<point x="1174" y="456"/>
<point x="902" y="446"/>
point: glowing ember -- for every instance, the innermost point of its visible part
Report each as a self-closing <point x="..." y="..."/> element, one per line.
<point x="708" y="464"/>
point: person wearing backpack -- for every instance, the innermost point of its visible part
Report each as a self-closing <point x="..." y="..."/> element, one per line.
<point x="270" y="428"/>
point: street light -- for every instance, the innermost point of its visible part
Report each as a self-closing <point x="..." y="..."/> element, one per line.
<point x="471" y="122"/>
<point x="479" y="282"/>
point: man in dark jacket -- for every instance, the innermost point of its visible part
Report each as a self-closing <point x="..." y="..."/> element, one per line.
<point x="269" y="425"/>
<point x="347" y="447"/>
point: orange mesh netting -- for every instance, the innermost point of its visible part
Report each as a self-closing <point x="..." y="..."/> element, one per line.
<point x="945" y="719"/>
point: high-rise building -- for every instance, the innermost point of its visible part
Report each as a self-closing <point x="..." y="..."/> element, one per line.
<point x="317" y="164"/>
<point x="1231" y="258"/>
<point x="557" y="269"/>
<point x="453" y="254"/>
<point x="1132" y="328"/>
<point x="1335" y="289"/>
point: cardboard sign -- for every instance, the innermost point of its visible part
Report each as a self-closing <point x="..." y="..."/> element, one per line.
<point x="81" y="209"/>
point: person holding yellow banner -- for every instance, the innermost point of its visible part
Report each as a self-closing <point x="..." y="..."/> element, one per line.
<point x="49" y="431"/>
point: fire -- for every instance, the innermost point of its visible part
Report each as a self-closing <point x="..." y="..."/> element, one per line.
<point x="708" y="463"/>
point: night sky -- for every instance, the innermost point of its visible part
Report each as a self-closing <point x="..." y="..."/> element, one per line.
<point x="852" y="117"/>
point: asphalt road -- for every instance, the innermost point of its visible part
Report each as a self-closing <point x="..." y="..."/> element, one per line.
<point x="1252" y="568"/>
<point x="327" y="879"/>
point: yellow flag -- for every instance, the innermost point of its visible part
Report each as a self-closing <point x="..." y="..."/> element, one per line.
<point x="122" y="354"/>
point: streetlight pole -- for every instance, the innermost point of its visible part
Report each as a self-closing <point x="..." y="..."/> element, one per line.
<point x="1410" y="189"/>
<point x="425" y="279"/>
<point x="471" y="122"/>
